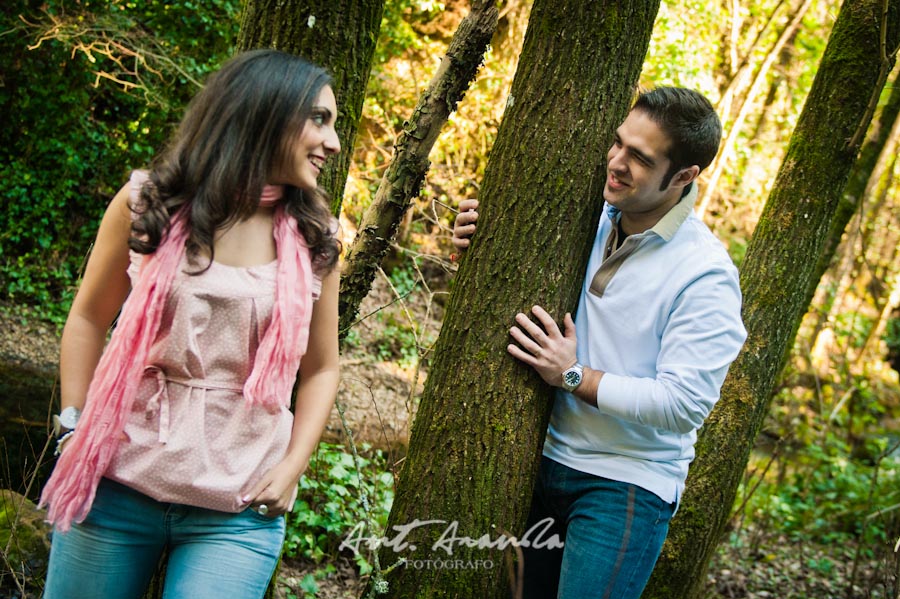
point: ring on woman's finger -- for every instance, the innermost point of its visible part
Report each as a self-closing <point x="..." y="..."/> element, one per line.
<point x="263" y="509"/>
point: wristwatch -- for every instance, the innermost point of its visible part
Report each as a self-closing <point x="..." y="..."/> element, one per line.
<point x="572" y="377"/>
<point x="66" y="420"/>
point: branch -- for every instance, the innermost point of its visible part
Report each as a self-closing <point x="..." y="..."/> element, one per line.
<point x="116" y="39"/>
<point x="887" y="63"/>
<point x="403" y="180"/>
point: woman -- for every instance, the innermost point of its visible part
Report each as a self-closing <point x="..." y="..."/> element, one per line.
<point x="186" y="440"/>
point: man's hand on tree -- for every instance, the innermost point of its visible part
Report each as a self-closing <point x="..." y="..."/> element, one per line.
<point x="546" y="349"/>
<point x="464" y="225"/>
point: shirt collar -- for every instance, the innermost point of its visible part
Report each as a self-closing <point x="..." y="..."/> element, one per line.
<point x="672" y="220"/>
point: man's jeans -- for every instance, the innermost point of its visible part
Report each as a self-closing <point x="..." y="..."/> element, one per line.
<point x="613" y="533"/>
<point x="114" y="552"/>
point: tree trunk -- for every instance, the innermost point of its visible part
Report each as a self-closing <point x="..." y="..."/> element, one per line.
<point x="476" y="441"/>
<point x="403" y="179"/>
<point x="775" y="274"/>
<point x="339" y="35"/>
<point x="880" y="133"/>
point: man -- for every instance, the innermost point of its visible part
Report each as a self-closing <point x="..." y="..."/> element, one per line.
<point x="638" y="371"/>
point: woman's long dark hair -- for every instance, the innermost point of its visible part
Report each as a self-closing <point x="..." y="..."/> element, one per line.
<point x="236" y="132"/>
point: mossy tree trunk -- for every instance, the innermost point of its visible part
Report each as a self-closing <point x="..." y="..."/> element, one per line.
<point x="775" y="274"/>
<point x="476" y="441"/>
<point x="339" y="35"/>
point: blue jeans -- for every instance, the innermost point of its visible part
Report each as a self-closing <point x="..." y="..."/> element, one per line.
<point x="115" y="551"/>
<point x="613" y="534"/>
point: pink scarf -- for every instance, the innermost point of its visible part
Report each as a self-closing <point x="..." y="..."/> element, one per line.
<point x="73" y="484"/>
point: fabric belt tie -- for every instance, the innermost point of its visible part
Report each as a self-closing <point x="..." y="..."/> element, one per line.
<point x="159" y="401"/>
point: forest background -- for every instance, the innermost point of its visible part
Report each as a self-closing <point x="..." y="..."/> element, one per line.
<point x="90" y="90"/>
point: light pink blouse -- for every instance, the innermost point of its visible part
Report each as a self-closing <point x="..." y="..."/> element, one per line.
<point x="190" y="437"/>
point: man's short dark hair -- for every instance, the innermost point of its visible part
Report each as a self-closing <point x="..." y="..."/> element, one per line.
<point x="689" y="120"/>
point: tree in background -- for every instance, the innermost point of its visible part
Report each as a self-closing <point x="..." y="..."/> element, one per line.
<point x="476" y="439"/>
<point x="735" y="125"/>
<point x="775" y="274"/>
<point x="403" y="179"/>
<point x="339" y="35"/>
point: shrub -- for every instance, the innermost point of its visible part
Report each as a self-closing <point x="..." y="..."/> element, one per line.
<point x="335" y="497"/>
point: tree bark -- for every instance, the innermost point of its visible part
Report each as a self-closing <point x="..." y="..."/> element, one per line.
<point x="403" y="179"/>
<point x="775" y="274"/>
<point x="476" y="441"/>
<point x="339" y="35"/>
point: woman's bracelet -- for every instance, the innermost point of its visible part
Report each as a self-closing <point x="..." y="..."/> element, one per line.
<point x="61" y="441"/>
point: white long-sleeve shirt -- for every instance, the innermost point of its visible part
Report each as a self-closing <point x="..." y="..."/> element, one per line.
<point x="661" y="317"/>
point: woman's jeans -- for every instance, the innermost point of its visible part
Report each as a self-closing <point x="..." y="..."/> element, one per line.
<point x="115" y="551"/>
<point x="613" y="534"/>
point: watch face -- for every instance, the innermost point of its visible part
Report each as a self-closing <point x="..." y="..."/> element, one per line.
<point x="68" y="418"/>
<point x="572" y="378"/>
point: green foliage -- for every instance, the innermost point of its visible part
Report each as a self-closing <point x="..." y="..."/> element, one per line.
<point x="397" y="32"/>
<point x="334" y="498"/>
<point x="95" y="98"/>
<point x="397" y="340"/>
<point x="737" y="249"/>
<point x="672" y="62"/>
<point x="403" y="280"/>
<point x="892" y="335"/>
<point x="353" y="338"/>
<point x="825" y="523"/>
<point x="398" y="337"/>
<point x="834" y="479"/>
<point x="829" y="497"/>
<point x="854" y="327"/>
<point x="818" y="510"/>
<point x="309" y="585"/>
<point x="400" y="330"/>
